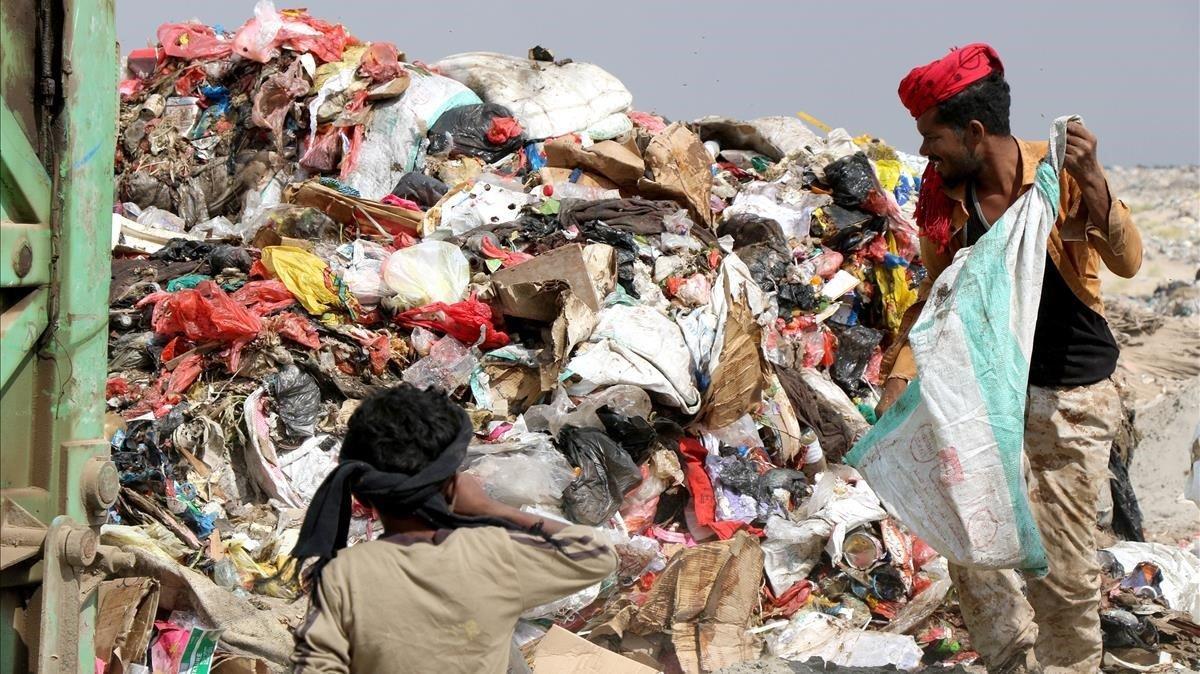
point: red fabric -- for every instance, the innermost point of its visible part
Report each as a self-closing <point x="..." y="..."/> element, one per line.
<point x="648" y="121"/>
<point x="934" y="209"/>
<point x="130" y="88"/>
<point x="264" y="297"/>
<point x="461" y="320"/>
<point x="297" y="328"/>
<point x="192" y="41"/>
<point x="926" y="86"/>
<point x="701" y="489"/>
<point x="502" y="130"/>
<point x="785" y="605"/>
<point x="116" y="386"/>
<point x="921" y="90"/>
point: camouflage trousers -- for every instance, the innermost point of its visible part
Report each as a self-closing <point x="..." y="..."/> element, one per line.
<point x="1054" y="624"/>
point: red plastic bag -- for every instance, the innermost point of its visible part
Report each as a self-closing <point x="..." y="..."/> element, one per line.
<point x="393" y="200"/>
<point x="187" y="81"/>
<point x="508" y="258"/>
<point x="381" y="62"/>
<point x="186" y="372"/>
<point x="324" y="150"/>
<point x="204" y="314"/>
<point x="260" y="38"/>
<point x="264" y="297"/>
<point x="701" y="489"/>
<point x="461" y="320"/>
<point x="502" y="130"/>
<point x="295" y="327"/>
<point x="192" y="41"/>
<point x="378" y="346"/>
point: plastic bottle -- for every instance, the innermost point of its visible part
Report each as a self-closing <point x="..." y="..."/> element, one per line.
<point x="567" y="190"/>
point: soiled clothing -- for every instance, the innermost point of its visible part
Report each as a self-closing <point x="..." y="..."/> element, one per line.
<point x="402" y="604"/>
<point x="1078" y="244"/>
<point x="1056" y="622"/>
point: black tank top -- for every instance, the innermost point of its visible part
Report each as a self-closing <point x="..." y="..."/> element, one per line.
<point x="1072" y="345"/>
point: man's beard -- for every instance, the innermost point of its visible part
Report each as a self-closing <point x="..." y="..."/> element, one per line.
<point x="964" y="171"/>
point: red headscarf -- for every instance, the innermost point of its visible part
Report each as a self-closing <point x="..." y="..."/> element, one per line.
<point x="926" y="86"/>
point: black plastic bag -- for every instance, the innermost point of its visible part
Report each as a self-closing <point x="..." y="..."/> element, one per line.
<point x="298" y="399"/>
<point x="607" y="473"/>
<point x="131" y="351"/>
<point x="420" y="188"/>
<point x="793" y="296"/>
<point x="851" y="179"/>
<point x="634" y="434"/>
<point x="626" y="248"/>
<point x="855" y="345"/>
<point x="463" y="131"/>
<point x="767" y="266"/>
<point x="225" y="256"/>
<point x="748" y="229"/>
<point x="183" y="250"/>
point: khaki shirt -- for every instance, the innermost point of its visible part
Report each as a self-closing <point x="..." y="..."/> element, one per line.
<point x="1078" y="244"/>
<point x="402" y="604"/>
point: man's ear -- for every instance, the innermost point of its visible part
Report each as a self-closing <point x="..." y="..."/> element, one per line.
<point x="974" y="133"/>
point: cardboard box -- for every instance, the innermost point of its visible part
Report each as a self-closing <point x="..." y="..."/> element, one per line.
<point x="531" y="289"/>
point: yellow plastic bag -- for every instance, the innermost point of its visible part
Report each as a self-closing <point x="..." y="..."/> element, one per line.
<point x="888" y="171"/>
<point x="893" y="284"/>
<point x="304" y="274"/>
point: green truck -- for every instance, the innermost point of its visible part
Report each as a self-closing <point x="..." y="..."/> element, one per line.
<point x="58" y="76"/>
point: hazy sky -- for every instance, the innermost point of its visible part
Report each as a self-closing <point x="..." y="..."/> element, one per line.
<point x="1132" y="70"/>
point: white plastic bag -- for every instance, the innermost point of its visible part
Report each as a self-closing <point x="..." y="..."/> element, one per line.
<point x="548" y="99"/>
<point x="811" y="634"/>
<point x="522" y="470"/>
<point x="431" y="271"/>
<point x="483" y="204"/>
<point x="946" y="458"/>
<point x="392" y="142"/>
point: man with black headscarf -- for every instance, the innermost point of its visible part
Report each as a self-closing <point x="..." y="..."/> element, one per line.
<point x="441" y="591"/>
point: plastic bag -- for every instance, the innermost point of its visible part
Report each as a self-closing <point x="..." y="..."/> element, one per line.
<point x="260" y="38"/>
<point x="192" y="41"/>
<point x="855" y="346"/>
<point x="360" y="264"/>
<point x="521" y="470"/>
<point x="295" y="327"/>
<point x="484" y="204"/>
<point x="431" y="271"/>
<point x="381" y="62"/>
<point x="304" y="275"/>
<point x="297" y="222"/>
<point x="466" y="321"/>
<point x="448" y="366"/>
<point x="298" y="399"/>
<point x="205" y="314"/>
<point x="224" y="257"/>
<point x="606" y="473"/>
<point x="392" y="139"/>
<point x="420" y="189"/>
<point x="484" y="130"/>
<point x="852" y="179"/>
<point x="264" y="297"/>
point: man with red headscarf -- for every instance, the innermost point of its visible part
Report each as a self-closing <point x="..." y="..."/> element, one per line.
<point x="977" y="169"/>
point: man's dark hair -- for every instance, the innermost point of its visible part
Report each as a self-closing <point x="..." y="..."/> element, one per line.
<point x="401" y="429"/>
<point x="987" y="100"/>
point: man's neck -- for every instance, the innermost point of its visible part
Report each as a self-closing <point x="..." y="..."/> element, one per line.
<point x="1001" y="167"/>
<point x="408" y="526"/>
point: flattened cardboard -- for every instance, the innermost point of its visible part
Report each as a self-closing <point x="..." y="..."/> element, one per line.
<point x="124" y="620"/>
<point x="561" y="652"/>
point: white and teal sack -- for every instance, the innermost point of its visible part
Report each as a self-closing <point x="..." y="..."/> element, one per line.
<point x="946" y="458"/>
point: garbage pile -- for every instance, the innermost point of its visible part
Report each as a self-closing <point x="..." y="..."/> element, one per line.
<point x="671" y="331"/>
